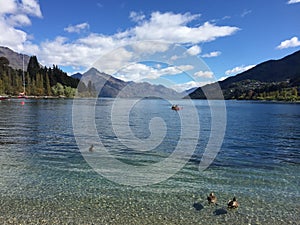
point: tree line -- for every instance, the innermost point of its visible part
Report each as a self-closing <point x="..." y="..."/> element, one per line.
<point x="38" y="80"/>
<point x="255" y="90"/>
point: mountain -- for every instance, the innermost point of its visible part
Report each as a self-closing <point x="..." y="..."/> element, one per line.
<point x="189" y="91"/>
<point x="15" y="59"/>
<point x="77" y="76"/>
<point x="267" y="77"/>
<point x="110" y="86"/>
<point x="269" y="71"/>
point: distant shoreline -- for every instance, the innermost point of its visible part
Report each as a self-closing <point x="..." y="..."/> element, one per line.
<point x="6" y="97"/>
<point x="36" y="97"/>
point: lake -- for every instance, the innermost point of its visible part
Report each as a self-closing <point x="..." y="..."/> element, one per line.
<point x="96" y="163"/>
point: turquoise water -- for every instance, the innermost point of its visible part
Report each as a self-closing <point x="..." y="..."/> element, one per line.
<point x="45" y="179"/>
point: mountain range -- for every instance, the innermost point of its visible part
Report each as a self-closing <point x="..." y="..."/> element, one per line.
<point x="281" y="76"/>
<point x="109" y="86"/>
<point x="268" y="76"/>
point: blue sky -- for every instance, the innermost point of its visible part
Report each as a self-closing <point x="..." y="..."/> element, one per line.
<point x="227" y="36"/>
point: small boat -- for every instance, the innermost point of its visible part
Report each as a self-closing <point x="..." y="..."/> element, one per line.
<point x="176" y="107"/>
<point x="22" y="95"/>
<point x="3" y="97"/>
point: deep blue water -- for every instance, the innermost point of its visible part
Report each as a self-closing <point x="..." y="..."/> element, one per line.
<point x="45" y="178"/>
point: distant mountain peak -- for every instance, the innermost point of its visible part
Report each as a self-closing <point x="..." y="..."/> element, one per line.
<point x="110" y="86"/>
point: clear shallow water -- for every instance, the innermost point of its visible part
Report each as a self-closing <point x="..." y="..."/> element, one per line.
<point x="45" y="180"/>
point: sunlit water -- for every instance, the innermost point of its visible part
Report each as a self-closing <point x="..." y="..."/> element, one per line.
<point x="44" y="179"/>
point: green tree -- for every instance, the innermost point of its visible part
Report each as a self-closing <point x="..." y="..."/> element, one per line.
<point x="4" y="62"/>
<point x="28" y="83"/>
<point x="33" y="66"/>
<point x="1" y="87"/>
<point x="47" y="86"/>
<point x="295" y="92"/>
<point x="58" y="89"/>
<point x="69" y="91"/>
<point x="39" y="85"/>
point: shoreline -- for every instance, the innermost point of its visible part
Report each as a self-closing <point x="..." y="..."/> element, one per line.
<point x="7" y="97"/>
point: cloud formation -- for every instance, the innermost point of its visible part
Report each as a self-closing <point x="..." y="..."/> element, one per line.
<point x="8" y="6"/>
<point x="168" y="28"/>
<point x="204" y="74"/>
<point x="136" y="16"/>
<point x="238" y="69"/>
<point x="140" y="72"/>
<point x="189" y="85"/>
<point x="245" y="13"/>
<point x="77" y="28"/>
<point x="15" y="14"/>
<point x="211" y="54"/>
<point x="194" y="50"/>
<point x="174" y="28"/>
<point x="293" y="42"/>
<point x="293" y="1"/>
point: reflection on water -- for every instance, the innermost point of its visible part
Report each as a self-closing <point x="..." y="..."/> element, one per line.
<point x="45" y="180"/>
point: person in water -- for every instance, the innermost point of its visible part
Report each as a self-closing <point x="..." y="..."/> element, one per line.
<point x="212" y="198"/>
<point x="91" y="149"/>
<point x="233" y="204"/>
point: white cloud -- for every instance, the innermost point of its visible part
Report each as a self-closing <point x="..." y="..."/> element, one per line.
<point x="31" y="7"/>
<point x="77" y="28"/>
<point x="185" y="67"/>
<point x="13" y="38"/>
<point x="8" y="6"/>
<point x="204" y="74"/>
<point x="188" y="85"/>
<point x="238" y="69"/>
<point x="136" y="16"/>
<point x="194" y="50"/>
<point x="211" y="54"/>
<point x="19" y="20"/>
<point x="150" y="47"/>
<point x="293" y="42"/>
<point x="293" y="1"/>
<point x="13" y="15"/>
<point x="114" y="61"/>
<point x="173" y="28"/>
<point x="139" y="71"/>
<point x="174" y="57"/>
<point x="245" y="13"/>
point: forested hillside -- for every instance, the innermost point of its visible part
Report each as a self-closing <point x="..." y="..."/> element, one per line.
<point x="38" y="81"/>
<point x="270" y="80"/>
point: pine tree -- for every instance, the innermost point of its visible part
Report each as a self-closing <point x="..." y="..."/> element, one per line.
<point x="39" y="85"/>
<point x="33" y="66"/>
<point x="4" y="62"/>
<point x="47" y="85"/>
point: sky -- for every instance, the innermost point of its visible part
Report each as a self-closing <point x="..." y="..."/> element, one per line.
<point x="181" y="44"/>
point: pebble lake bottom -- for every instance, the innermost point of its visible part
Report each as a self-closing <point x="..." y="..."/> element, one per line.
<point x="44" y="178"/>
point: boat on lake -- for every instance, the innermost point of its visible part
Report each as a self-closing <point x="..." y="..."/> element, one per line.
<point x="176" y="107"/>
<point x="3" y="97"/>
